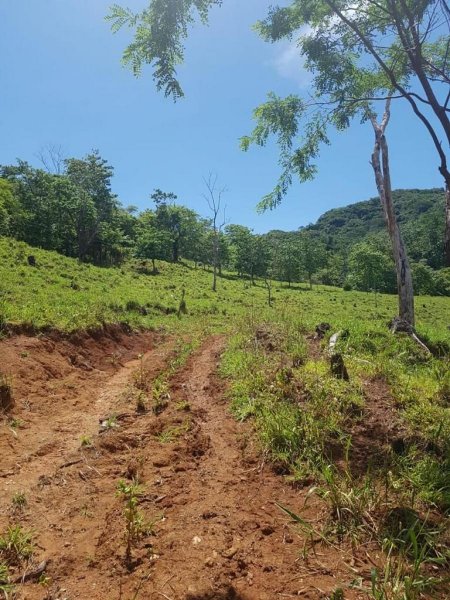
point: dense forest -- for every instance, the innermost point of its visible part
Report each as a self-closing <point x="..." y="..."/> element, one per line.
<point x="72" y="209"/>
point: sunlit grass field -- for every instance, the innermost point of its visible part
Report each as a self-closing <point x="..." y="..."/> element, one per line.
<point x="61" y="293"/>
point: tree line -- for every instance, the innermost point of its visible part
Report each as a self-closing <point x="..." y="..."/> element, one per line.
<point x="73" y="210"/>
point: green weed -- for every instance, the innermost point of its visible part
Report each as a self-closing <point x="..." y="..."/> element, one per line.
<point x="16" y="544"/>
<point x="86" y="441"/>
<point x="19" y="501"/>
<point x="172" y="433"/>
<point x="5" y="586"/>
<point x="406" y="574"/>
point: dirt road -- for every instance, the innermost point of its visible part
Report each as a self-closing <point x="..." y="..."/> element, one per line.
<point x="217" y="530"/>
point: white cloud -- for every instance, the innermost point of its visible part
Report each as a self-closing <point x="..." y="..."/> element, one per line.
<point x="290" y="64"/>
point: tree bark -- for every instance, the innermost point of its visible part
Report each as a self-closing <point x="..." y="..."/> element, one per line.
<point x="269" y="291"/>
<point x="380" y="164"/>
<point x="175" y="251"/>
<point x="215" y="255"/>
<point x="214" y="286"/>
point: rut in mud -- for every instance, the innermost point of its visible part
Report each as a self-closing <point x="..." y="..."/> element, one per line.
<point x="217" y="532"/>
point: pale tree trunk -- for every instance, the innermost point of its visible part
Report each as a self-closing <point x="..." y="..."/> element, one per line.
<point x="380" y="164"/>
<point x="214" y="200"/>
<point x="268" y="283"/>
<point x="215" y="255"/>
<point x="214" y="287"/>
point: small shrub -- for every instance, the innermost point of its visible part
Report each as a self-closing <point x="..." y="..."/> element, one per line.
<point x="86" y="441"/>
<point x="160" y="395"/>
<point x="134" y="520"/>
<point x="16" y="544"/>
<point x="19" y="501"/>
<point x="5" y="585"/>
<point x="141" y="377"/>
<point x="141" y="402"/>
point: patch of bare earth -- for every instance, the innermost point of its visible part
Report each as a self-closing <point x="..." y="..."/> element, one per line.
<point x="218" y="533"/>
<point x="379" y="431"/>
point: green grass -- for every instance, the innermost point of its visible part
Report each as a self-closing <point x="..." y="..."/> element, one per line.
<point x="16" y="545"/>
<point x="64" y="294"/>
<point x="303" y="418"/>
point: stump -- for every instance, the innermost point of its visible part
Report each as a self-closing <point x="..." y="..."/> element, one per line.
<point x="338" y="368"/>
<point x="321" y="330"/>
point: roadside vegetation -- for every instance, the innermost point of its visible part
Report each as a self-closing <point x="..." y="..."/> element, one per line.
<point x="375" y="448"/>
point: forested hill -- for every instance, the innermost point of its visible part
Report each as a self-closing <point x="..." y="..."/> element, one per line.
<point x="75" y="212"/>
<point x="420" y="215"/>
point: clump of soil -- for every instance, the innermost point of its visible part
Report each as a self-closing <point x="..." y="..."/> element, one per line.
<point x="6" y="395"/>
<point x="268" y="338"/>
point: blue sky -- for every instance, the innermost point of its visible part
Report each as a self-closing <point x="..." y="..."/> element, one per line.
<point x="61" y="82"/>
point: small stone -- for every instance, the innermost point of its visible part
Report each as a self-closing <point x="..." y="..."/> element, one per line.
<point x="230" y="552"/>
<point x="209" y="514"/>
<point x="209" y="562"/>
<point x="196" y="540"/>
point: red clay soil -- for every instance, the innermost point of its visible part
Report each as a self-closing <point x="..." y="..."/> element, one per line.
<point x="218" y="533"/>
<point x="379" y="431"/>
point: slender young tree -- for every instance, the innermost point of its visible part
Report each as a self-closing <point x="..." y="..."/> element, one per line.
<point x="213" y="198"/>
<point x="380" y="164"/>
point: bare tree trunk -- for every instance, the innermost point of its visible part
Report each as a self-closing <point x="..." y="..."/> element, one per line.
<point x="268" y="283"/>
<point x="214" y="286"/>
<point x="380" y="164"/>
<point x="214" y="200"/>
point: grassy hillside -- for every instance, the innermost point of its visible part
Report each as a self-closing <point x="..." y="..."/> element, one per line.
<point x="59" y="292"/>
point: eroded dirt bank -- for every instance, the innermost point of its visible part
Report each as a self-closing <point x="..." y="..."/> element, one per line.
<point x="217" y="531"/>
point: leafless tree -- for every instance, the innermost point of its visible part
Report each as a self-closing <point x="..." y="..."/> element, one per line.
<point x="53" y="158"/>
<point x="213" y="197"/>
